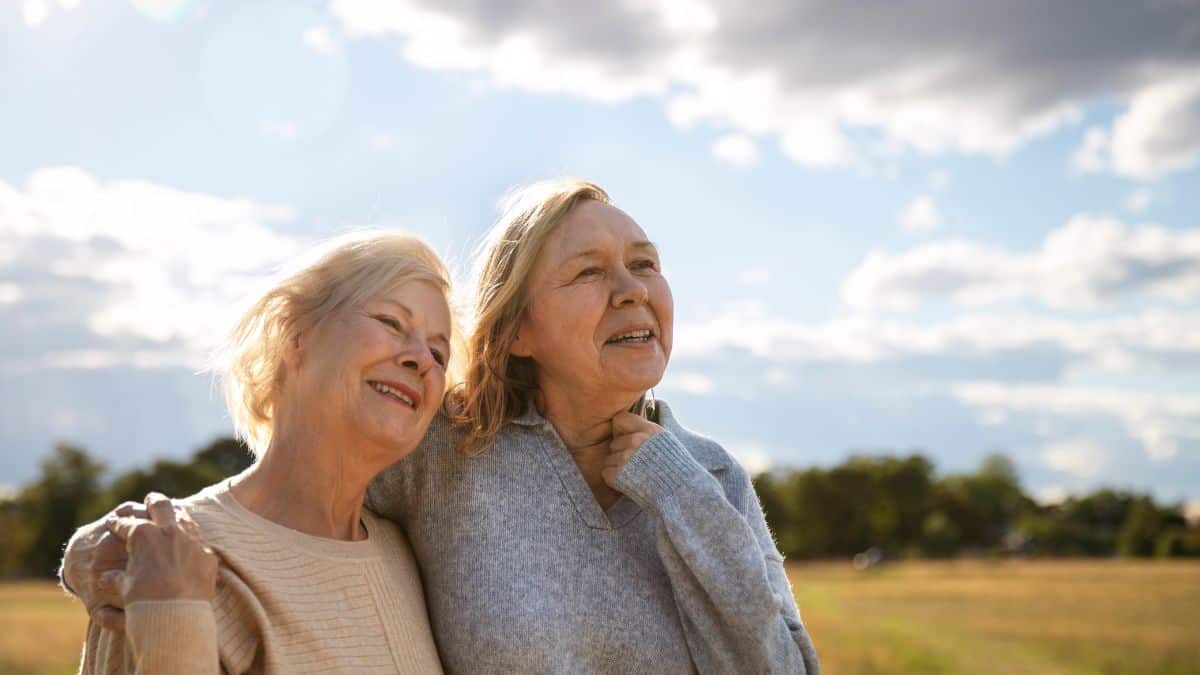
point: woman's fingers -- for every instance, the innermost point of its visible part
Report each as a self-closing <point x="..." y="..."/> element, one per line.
<point x="106" y="600"/>
<point x="124" y="528"/>
<point x="613" y="464"/>
<point x="135" y="509"/>
<point x="626" y="422"/>
<point x="160" y="508"/>
<point x="629" y="432"/>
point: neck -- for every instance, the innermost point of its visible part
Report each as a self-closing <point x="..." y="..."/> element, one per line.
<point x="308" y="483"/>
<point x="582" y="419"/>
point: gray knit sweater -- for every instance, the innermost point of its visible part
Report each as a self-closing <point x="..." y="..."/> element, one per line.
<point x="525" y="573"/>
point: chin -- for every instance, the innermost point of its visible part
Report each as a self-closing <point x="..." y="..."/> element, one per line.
<point x="638" y="381"/>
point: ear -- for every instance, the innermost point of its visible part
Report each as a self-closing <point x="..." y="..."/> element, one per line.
<point x="294" y="354"/>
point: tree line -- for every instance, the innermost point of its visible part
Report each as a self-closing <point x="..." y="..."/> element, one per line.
<point x="891" y="506"/>
<point x="898" y="507"/>
<point x="36" y="522"/>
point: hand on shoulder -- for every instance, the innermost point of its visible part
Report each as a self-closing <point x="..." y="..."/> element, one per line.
<point x="168" y="559"/>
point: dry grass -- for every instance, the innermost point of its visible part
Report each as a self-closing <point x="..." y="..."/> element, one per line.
<point x="41" y="629"/>
<point x="981" y="618"/>
<point x="1086" y="617"/>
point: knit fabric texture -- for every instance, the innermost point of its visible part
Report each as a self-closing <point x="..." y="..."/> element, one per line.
<point x="525" y="573"/>
<point x="286" y="602"/>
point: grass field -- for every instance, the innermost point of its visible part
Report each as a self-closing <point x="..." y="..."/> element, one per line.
<point x="979" y="618"/>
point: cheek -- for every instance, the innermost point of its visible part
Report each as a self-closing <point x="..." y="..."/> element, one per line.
<point x="569" y="322"/>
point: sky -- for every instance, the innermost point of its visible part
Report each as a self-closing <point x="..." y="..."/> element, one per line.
<point x="953" y="228"/>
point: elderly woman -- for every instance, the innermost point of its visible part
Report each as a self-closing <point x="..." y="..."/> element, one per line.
<point x="564" y="523"/>
<point x="333" y="374"/>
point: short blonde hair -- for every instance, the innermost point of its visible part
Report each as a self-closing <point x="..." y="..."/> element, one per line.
<point x="345" y="271"/>
<point x="495" y="386"/>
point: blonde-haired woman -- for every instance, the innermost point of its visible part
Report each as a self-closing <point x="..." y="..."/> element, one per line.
<point x="332" y="375"/>
<point x="557" y="530"/>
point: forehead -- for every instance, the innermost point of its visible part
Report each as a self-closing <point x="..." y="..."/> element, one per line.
<point x="592" y="225"/>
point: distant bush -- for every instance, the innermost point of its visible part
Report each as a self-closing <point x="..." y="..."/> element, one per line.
<point x="899" y="506"/>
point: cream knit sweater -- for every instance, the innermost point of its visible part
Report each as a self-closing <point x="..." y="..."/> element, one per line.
<point x="286" y="602"/>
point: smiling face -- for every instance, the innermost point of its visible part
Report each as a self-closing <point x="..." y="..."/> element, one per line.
<point x="599" y="315"/>
<point x="374" y="375"/>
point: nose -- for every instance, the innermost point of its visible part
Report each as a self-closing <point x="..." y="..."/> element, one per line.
<point x="629" y="290"/>
<point x="414" y="355"/>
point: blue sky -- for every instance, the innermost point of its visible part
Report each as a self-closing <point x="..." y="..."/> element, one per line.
<point x="928" y="227"/>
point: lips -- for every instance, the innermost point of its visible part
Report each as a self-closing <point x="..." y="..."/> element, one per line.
<point x="398" y="392"/>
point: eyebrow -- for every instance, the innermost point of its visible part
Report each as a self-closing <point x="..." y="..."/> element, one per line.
<point x="642" y="243"/>
<point x="409" y="313"/>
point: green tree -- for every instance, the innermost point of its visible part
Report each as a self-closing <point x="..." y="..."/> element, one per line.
<point x="1140" y="531"/>
<point x="218" y="460"/>
<point x="55" y="505"/>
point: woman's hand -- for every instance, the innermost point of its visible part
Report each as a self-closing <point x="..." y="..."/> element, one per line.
<point x="168" y="559"/>
<point x="629" y="432"/>
<point x="93" y="566"/>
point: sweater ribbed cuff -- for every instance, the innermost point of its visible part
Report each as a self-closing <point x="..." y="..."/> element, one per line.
<point x="657" y="469"/>
<point x="175" y="636"/>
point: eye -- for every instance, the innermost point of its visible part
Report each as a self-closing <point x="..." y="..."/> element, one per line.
<point x="645" y="264"/>
<point x="438" y="357"/>
<point x="589" y="272"/>
<point x="387" y="321"/>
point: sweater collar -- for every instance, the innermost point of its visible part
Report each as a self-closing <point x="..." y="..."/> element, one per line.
<point x="713" y="461"/>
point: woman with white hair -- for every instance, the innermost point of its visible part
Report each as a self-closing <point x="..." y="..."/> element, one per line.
<point x="332" y="375"/>
<point x="565" y="522"/>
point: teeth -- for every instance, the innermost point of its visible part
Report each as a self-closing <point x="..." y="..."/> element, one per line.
<point x="631" y="335"/>
<point x="386" y="390"/>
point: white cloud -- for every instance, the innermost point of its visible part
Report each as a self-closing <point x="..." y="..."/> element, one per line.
<point x="920" y="215"/>
<point x="321" y="40"/>
<point x="779" y="377"/>
<point x="1158" y="134"/>
<point x="384" y="141"/>
<point x="934" y="77"/>
<point x="10" y="294"/>
<point x="161" y="10"/>
<point x="1151" y="339"/>
<point x="696" y="384"/>
<point x="1092" y="154"/>
<point x="1051" y="494"/>
<point x="993" y="417"/>
<point x="1087" y="262"/>
<point x="1191" y="511"/>
<point x="752" y="456"/>
<point x="165" y="265"/>
<point x="35" y="12"/>
<point x="1078" y="457"/>
<point x="1160" y="422"/>
<point x="1139" y="200"/>
<point x="737" y="149"/>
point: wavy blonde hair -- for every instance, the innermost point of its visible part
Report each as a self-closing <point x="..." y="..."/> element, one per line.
<point x="345" y="271"/>
<point x="496" y="385"/>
